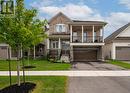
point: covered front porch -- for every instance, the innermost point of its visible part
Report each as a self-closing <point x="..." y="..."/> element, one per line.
<point x="58" y="47"/>
<point x="86" y="33"/>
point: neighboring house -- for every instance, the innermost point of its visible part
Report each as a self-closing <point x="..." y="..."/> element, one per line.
<point x="78" y="40"/>
<point x="117" y="45"/>
<point x="3" y="51"/>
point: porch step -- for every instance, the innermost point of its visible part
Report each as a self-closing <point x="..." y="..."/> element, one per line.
<point x="65" y="58"/>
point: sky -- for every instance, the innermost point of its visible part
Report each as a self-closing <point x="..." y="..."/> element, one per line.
<point x="115" y="12"/>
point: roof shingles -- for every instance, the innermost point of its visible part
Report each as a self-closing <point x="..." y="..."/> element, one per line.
<point x="116" y="33"/>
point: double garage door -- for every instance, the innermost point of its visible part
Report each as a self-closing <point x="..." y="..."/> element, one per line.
<point x="85" y="54"/>
<point x="123" y="53"/>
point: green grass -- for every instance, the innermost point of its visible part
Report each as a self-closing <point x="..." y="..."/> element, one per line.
<point x="40" y="65"/>
<point x="44" y="84"/>
<point x="120" y="63"/>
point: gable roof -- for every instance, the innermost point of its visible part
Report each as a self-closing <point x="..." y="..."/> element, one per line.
<point x="77" y="21"/>
<point x="60" y="13"/>
<point x="116" y="33"/>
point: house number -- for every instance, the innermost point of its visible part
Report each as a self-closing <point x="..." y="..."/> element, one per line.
<point x="6" y="7"/>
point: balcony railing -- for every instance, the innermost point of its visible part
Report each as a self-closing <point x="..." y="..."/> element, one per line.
<point x="60" y="33"/>
<point x="87" y="39"/>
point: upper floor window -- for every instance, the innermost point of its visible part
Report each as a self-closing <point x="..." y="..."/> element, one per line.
<point x="60" y="28"/>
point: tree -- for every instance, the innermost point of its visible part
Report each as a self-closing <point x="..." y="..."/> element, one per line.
<point x="22" y="31"/>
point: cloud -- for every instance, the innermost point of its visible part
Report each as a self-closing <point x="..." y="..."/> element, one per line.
<point x="92" y="1"/>
<point x="71" y="10"/>
<point x="74" y="11"/>
<point x="39" y="3"/>
<point x="125" y="2"/>
<point x="116" y="20"/>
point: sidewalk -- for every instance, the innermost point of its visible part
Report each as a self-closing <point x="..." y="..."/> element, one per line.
<point x="69" y="73"/>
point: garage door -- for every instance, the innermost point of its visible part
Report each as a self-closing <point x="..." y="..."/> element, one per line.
<point x="123" y="53"/>
<point x="85" y="54"/>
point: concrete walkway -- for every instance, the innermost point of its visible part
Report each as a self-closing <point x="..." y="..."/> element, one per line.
<point x="69" y="73"/>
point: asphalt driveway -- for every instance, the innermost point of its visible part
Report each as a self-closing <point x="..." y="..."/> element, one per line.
<point x="95" y="66"/>
<point x="99" y="85"/>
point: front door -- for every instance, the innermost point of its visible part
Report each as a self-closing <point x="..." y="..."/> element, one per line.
<point x="85" y="36"/>
<point x="65" y="47"/>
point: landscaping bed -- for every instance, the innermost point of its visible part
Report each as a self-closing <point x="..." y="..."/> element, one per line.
<point x="41" y="84"/>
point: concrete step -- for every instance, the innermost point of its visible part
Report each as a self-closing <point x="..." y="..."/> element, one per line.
<point x="65" y="58"/>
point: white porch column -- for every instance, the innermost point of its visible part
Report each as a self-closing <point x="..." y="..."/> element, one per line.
<point x="113" y="52"/>
<point x="103" y="33"/>
<point x="71" y="34"/>
<point x="82" y="33"/>
<point x="93" y="33"/>
<point x="48" y="44"/>
<point x="59" y="44"/>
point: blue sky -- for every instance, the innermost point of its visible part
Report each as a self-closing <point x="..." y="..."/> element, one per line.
<point x="115" y="12"/>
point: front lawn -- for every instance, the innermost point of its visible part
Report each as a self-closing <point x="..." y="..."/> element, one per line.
<point x="120" y="63"/>
<point x="40" y="65"/>
<point x="45" y="84"/>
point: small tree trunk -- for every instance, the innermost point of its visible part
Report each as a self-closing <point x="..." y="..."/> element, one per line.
<point x="21" y="52"/>
<point x="9" y="57"/>
<point x="34" y="55"/>
<point x="9" y="53"/>
<point x="28" y="55"/>
<point x="18" y="66"/>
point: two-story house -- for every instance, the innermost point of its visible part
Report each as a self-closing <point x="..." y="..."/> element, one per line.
<point x="75" y="39"/>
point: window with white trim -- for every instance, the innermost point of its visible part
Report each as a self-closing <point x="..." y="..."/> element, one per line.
<point x="60" y="28"/>
<point x="54" y="44"/>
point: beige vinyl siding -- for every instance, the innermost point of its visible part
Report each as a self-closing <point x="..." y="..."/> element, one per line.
<point x="107" y="51"/>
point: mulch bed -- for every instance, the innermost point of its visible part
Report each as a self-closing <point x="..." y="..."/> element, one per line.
<point x="23" y="88"/>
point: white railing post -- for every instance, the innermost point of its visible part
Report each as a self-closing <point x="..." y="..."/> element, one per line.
<point x="93" y="33"/>
<point x="82" y="33"/>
